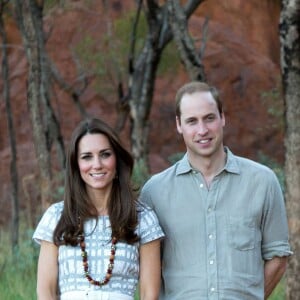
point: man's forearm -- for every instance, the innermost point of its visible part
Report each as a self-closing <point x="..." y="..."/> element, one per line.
<point x="273" y="271"/>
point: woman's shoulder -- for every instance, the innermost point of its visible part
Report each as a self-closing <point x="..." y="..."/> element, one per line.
<point x="54" y="210"/>
<point x="143" y="208"/>
<point x="48" y="222"/>
<point x="145" y="212"/>
<point x="56" y="207"/>
<point x="148" y="225"/>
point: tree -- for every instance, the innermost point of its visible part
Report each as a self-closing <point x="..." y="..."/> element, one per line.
<point x="42" y="75"/>
<point x="29" y="19"/>
<point x="11" y="132"/>
<point x="290" y="66"/>
<point x="165" y="22"/>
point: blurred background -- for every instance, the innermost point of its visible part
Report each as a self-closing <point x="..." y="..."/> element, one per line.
<point x="123" y="61"/>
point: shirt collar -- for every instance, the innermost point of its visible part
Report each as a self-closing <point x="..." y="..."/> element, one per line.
<point x="183" y="166"/>
<point x="231" y="165"/>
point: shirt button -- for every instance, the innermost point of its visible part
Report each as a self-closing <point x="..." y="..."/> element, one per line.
<point x="201" y="185"/>
<point x="209" y="209"/>
<point x="212" y="289"/>
<point x="210" y="236"/>
<point x="211" y="262"/>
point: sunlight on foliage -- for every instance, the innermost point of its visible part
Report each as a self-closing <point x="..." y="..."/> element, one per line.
<point x="140" y="173"/>
<point x="273" y="101"/>
<point x="107" y="58"/>
<point x="18" y="273"/>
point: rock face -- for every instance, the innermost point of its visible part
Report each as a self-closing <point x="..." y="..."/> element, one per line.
<point x="241" y="59"/>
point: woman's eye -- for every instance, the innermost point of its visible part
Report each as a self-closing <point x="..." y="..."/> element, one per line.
<point x="105" y="154"/>
<point x="85" y="157"/>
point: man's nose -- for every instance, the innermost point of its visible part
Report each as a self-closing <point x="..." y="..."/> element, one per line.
<point x="202" y="128"/>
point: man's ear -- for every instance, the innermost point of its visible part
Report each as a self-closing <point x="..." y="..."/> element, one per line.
<point x="178" y="125"/>
<point x="223" y="119"/>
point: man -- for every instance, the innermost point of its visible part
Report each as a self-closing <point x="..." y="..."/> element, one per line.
<point x="223" y="215"/>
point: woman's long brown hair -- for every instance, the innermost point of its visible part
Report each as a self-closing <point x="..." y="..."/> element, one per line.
<point x="122" y="206"/>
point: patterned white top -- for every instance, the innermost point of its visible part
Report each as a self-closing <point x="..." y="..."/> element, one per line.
<point x="98" y="242"/>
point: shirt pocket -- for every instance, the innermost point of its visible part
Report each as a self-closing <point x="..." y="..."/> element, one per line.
<point x="241" y="233"/>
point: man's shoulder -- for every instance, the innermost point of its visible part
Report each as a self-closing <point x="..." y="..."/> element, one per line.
<point x="252" y="164"/>
<point x="254" y="168"/>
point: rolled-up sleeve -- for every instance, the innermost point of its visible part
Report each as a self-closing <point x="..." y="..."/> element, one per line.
<point x="275" y="227"/>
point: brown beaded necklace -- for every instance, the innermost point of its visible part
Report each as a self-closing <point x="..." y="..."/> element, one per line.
<point x="85" y="264"/>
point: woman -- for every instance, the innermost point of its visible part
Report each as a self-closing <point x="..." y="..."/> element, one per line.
<point x="99" y="242"/>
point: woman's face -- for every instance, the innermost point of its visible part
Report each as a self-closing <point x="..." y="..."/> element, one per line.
<point x="97" y="162"/>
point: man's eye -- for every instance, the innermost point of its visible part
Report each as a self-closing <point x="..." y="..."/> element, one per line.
<point x="192" y="121"/>
<point x="210" y="118"/>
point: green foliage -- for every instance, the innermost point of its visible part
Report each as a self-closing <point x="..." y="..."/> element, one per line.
<point x="279" y="292"/>
<point x="170" y="60"/>
<point x="123" y="32"/>
<point x="175" y="157"/>
<point x="140" y="173"/>
<point x="58" y="187"/>
<point x="107" y="58"/>
<point x="272" y="99"/>
<point x="18" y="272"/>
<point x="49" y="4"/>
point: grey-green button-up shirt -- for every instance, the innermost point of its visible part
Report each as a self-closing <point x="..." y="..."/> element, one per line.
<point x="218" y="238"/>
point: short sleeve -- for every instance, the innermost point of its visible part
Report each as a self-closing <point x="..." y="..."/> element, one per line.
<point x="46" y="226"/>
<point x="149" y="228"/>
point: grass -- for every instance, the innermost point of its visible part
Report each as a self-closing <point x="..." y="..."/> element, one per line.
<point x="279" y="292"/>
<point x="18" y="272"/>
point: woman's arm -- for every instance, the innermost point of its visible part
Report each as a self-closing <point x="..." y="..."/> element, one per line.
<point x="150" y="270"/>
<point x="47" y="273"/>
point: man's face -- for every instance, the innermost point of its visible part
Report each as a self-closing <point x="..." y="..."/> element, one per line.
<point x="201" y="125"/>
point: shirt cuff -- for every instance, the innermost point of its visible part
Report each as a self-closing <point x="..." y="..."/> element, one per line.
<point x="278" y="248"/>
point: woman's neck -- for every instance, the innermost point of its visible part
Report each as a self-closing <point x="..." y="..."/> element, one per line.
<point x="100" y="200"/>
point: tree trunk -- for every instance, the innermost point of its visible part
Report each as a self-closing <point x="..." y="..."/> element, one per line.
<point x="11" y="136"/>
<point x="27" y="12"/>
<point x="142" y="71"/>
<point x="184" y="42"/>
<point x="290" y="64"/>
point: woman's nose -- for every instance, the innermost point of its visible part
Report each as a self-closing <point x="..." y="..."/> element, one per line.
<point x="97" y="163"/>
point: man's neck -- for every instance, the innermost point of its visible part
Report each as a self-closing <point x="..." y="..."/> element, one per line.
<point x="210" y="166"/>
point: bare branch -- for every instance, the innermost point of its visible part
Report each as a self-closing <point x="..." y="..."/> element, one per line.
<point x="70" y="89"/>
<point x="190" y="7"/>
<point x="184" y="42"/>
